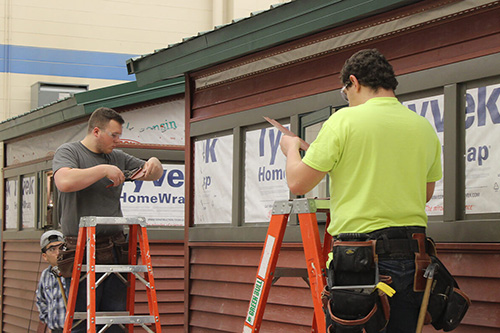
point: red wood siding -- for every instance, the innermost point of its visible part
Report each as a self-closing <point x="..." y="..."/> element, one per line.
<point x="22" y="266"/>
<point x="440" y="43"/>
<point x="168" y="268"/>
<point x="222" y="278"/>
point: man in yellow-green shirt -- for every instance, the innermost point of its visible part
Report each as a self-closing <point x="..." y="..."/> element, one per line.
<point x="383" y="161"/>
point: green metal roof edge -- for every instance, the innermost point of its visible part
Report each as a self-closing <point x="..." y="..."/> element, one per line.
<point x="269" y="28"/>
<point x="129" y="93"/>
<point x="42" y="118"/>
<point x="85" y="103"/>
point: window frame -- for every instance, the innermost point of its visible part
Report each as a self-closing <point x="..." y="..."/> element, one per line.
<point x="451" y="80"/>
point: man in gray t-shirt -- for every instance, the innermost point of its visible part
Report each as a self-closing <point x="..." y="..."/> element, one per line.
<point x="98" y="199"/>
<point x="89" y="176"/>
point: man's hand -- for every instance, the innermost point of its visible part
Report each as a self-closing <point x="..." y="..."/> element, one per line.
<point x="152" y="169"/>
<point x="289" y="143"/>
<point x="300" y="177"/>
<point x="114" y="174"/>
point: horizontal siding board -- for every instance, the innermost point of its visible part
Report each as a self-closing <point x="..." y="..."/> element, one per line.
<point x="163" y="296"/>
<point x="31" y="277"/>
<point x="483" y="314"/>
<point x="21" y="266"/>
<point x="22" y="256"/>
<point x="471" y="264"/>
<point x="27" y="294"/>
<point x="22" y="324"/>
<point x="164" y="261"/>
<point x="22" y="245"/>
<point x="245" y="257"/>
<point x="167" y="249"/>
<point x="238" y="274"/>
<point x="171" y="319"/>
<point x="7" y="327"/>
<point x="218" y="256"/>
<point x="23" y="306"/>
<point x="20" y="284"/>
<point x="168" y="273"/>
<point x="166" y="308"/>
<point x="222" y="323"/>
<point x="169" y="329"/>
<point x="163" y="285"/>
<point x="277" y="295"/>
<point x="277" y="313"/>
<point x="480" y="289"/>
<point x="26" y="313"/>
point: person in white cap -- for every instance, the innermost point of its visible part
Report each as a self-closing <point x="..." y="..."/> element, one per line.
<point x="50" y="298"/>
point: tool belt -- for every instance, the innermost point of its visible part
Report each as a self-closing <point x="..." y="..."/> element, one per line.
<point x="354" y="300"/>
<point x="351" y="299"/>
<point x="106" y="249"/>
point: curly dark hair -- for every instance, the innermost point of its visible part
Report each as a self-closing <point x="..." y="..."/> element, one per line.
<point x="102" y="116"/>
<point x="371" y="69"/>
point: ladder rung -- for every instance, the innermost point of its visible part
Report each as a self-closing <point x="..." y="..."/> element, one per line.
<point x="124" y="320"/>
<point x="83" y="315"/>
<point x="118" y="268"/>
<point x="280" y="272"/>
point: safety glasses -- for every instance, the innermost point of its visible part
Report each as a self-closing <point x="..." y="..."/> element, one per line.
<point x="343" y="94"/>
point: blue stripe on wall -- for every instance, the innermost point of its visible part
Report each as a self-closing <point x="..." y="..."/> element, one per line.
<point x="59" y="62"/>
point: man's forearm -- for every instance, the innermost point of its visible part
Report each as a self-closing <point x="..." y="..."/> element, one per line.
<point x="71" y="180"/>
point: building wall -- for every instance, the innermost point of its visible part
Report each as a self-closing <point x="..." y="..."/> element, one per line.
<point x="23" y="264"/>
<point x="446" y="53"/>
<point x="221" y="287"/>
<point x="89" y="42"/>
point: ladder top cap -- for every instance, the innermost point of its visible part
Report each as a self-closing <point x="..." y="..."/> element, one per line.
<point x="92" y="221"/>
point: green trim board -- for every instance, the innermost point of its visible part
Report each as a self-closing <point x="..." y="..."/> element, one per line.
<point x="269" y="28"/>
<point x="85" y="103"/>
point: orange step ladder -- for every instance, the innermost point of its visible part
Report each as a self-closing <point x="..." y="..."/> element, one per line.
<point x="315" y="254"/>
<point x="86" y="236"/>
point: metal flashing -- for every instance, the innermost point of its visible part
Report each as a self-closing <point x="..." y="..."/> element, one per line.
<point x="269" y="28"/>
<point x="84" y="103"/>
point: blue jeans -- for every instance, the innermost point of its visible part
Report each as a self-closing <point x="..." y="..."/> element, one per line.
<point x="405" y="304"/>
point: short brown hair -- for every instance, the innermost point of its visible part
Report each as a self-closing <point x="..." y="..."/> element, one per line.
<point x="101" y="117"/>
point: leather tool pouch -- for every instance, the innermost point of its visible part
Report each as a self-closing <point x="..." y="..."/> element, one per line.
<point x="426" y="246"/>
<point x="354" y="263"/>
<point x="447" y="303"/>
<point x="104" y="254"/>
<point x="121" y="247"/>
<point x="65" y="261"/>
<point x="104" y="251"/>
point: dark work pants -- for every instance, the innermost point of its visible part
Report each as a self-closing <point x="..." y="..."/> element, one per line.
<point x="111" y="295"/>
<point x="405" y="303"/>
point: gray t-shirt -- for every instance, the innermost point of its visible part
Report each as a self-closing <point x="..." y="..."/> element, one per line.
<point x="95" y="200"/>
